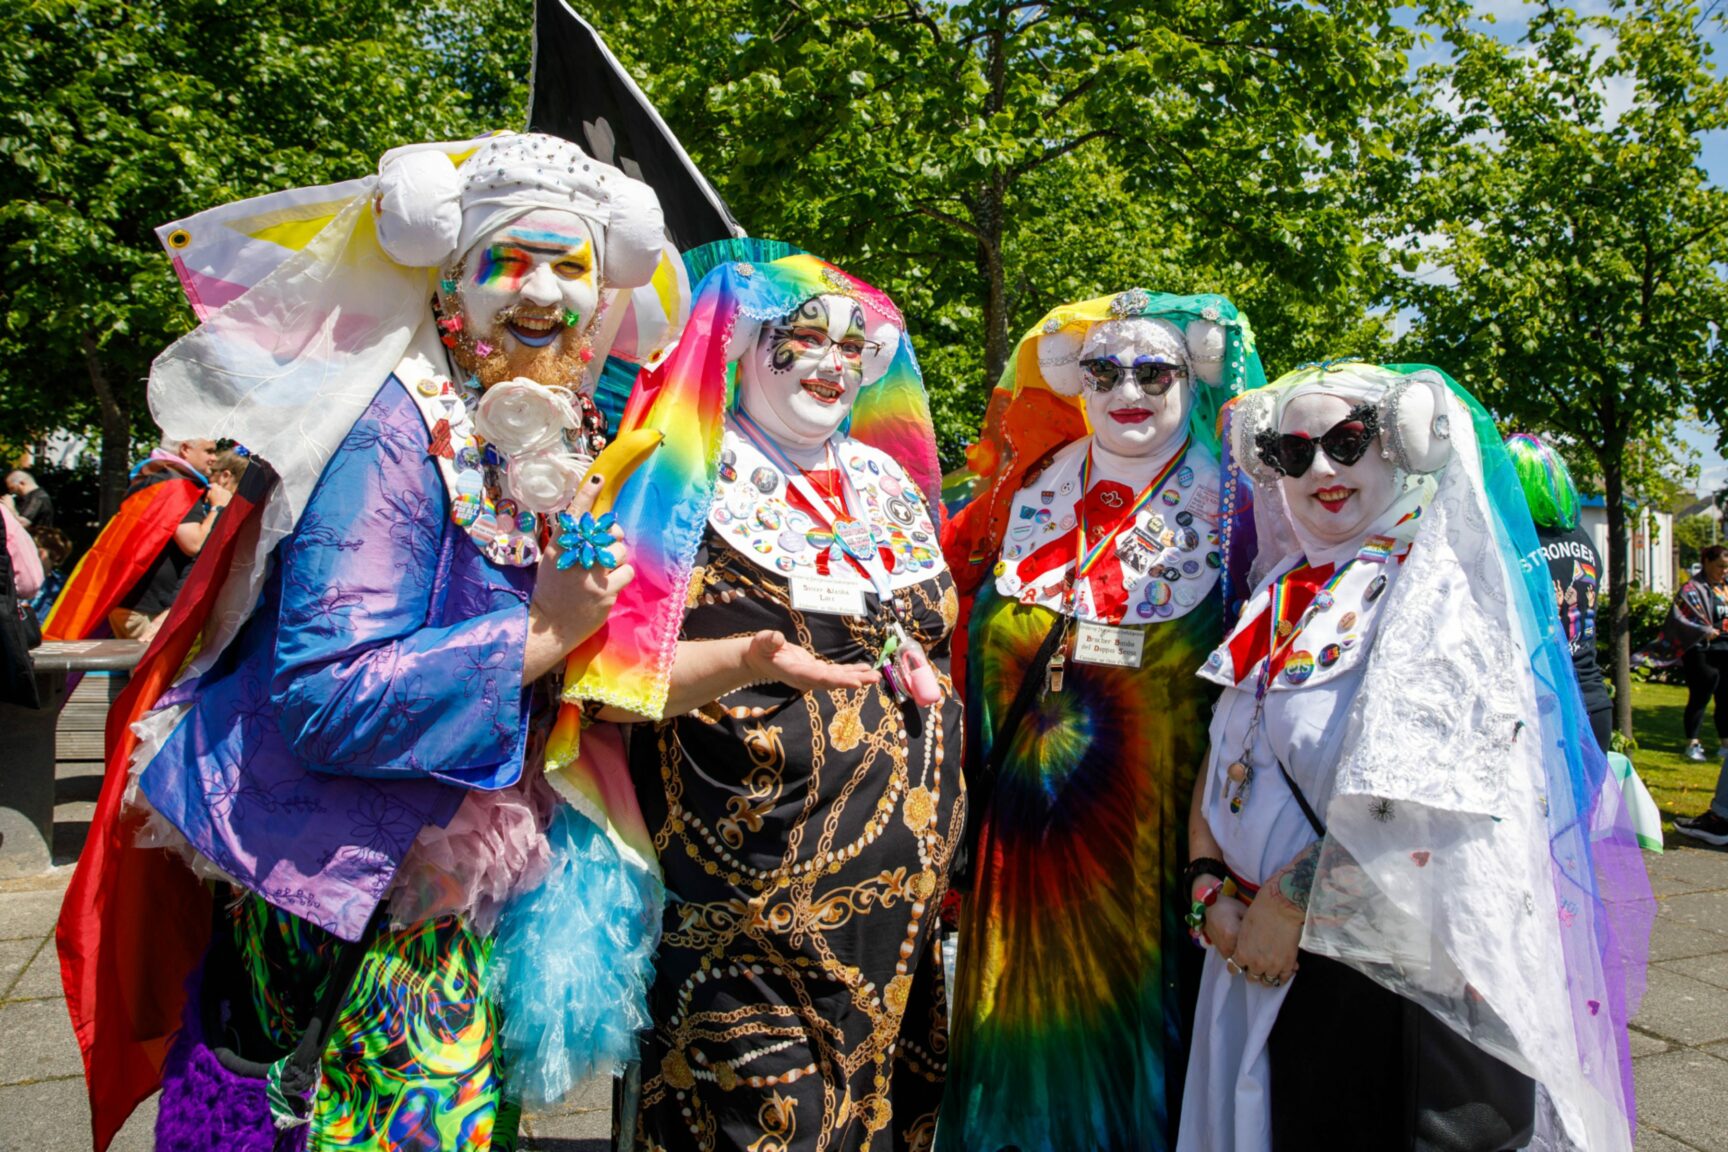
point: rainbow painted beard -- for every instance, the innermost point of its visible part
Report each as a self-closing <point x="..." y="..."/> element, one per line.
<point x="1074" y="971"/>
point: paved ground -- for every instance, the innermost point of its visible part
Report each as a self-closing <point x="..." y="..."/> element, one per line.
<point x="42" y="1096"/>
<point x="1680" y="1039"/>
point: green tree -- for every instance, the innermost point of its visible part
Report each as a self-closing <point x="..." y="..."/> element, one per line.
<point x="1586" y="247"/>
<point x="1693" y="534"/>
<point x="984" y="160"/>
<point x="117" y="116"/>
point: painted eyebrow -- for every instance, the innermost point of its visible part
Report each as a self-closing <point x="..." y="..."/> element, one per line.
<point x="549" y="235"/>
<point x="547" y="246"/>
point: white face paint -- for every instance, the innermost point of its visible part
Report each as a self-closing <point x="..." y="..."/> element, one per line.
<point x="520" y="286"/>
<point x="801" y="379"/>
<point x="1127" y="419"/>
<point x="1334" y="503"/>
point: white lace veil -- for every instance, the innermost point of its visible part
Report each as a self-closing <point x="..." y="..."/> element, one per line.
<point x="1457" y="869"/>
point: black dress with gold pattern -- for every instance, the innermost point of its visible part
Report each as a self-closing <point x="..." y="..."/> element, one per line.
<point x="805" y="837"/>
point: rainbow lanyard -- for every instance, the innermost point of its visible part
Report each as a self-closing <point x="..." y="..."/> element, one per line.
<point x="1085" y="559"/>
<point x="1280" y="596"/>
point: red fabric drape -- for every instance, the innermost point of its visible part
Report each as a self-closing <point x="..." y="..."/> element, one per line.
<point x="135" y="922"/>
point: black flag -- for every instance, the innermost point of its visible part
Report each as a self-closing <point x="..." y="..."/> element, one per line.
<point x="580" y="92"/>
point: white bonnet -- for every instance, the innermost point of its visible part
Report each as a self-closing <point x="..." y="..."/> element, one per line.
<point x="430" y="212"/>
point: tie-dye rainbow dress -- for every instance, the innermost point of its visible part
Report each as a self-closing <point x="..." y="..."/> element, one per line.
<point x="1071" y="993"/>
<point x="1075" y="976"/>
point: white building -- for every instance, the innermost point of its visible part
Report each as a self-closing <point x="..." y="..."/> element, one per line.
<point x="1651" y="542"/>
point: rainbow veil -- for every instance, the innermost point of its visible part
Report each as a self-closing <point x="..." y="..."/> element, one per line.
<point x="664" y="506"/>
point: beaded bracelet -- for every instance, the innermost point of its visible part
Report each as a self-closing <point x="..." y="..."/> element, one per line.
<point x="1196" y="917"/>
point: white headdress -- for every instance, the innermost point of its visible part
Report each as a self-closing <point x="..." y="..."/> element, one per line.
<point x="1412" y="413"/>
<point x="431" y="212"/>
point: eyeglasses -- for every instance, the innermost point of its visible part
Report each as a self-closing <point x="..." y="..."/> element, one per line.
<point x="1345" y="442"/>
<point x="807" y="340"/>
<point x="1155" y="377"/>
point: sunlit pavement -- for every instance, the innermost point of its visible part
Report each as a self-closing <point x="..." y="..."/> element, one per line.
<point x="1679" y="1040"/>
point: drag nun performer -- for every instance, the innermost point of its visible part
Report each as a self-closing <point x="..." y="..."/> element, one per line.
<point x="350" y="751"/>
<point x="1417" y="941"/>
<point x="790" y="621"/>
<point x="1094" y="553"/>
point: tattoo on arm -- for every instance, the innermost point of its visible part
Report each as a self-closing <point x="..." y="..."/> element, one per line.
<point x="1297" y="880"/>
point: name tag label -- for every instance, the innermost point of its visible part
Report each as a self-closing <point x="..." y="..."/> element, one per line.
<point x="1109" y="645"/>
<point x="827" y="595"/>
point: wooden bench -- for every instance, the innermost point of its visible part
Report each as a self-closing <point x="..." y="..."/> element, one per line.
<point x="34" y="741"/>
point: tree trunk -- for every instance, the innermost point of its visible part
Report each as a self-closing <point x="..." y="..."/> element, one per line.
<point x="116" y="433"/>
<point x="1619" y="582"/>
<point x="988" y="215"/>
<point x="997" y="344"/>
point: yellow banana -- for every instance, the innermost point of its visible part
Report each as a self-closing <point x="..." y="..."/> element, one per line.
<point x="618" y="460"/>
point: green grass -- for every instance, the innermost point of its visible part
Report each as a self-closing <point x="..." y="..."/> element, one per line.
<point x="1680" y="787"/>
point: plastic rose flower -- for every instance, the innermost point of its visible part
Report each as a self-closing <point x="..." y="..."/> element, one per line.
<point x="544" y="481"/>
<point x="519" y="416"/>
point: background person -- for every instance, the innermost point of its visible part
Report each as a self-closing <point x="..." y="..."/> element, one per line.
<point x="33" y="505"/>
<point x="141" y="611"/>
<point x="20" y="571"/>
<point x="1572" y="563"/>
<point x="1699" y="619"/>
<point x="55" y="549"/>
<point x="142" y="548"/>
<point x="26" y="560"/>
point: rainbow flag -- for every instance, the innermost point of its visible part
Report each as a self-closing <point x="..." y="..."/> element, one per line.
<point x="122" y="554"/>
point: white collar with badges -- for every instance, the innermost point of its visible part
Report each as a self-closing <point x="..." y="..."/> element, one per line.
<point x="1336" y="632"/>
<point x="1170" y="558"/>
<point x="751" y="513"/>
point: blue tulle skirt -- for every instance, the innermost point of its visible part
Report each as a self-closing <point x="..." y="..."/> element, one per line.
<point x="571" y="964"/>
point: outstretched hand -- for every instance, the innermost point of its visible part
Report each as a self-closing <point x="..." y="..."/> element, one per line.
<point x="770" y="656"/>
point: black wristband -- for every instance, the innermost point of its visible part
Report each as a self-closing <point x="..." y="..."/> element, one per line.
<point x="1203" y="866"/>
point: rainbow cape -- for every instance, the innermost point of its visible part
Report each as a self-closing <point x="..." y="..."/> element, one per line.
<point x="122" y="554"/>
<point x="664" y="506"/>
<point x="135" y="920"/>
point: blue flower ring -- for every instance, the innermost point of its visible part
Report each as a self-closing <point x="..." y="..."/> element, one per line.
<point x="586" y="541"/>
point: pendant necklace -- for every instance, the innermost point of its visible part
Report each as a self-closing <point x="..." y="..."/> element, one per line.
<point x="1281" y="634"/>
